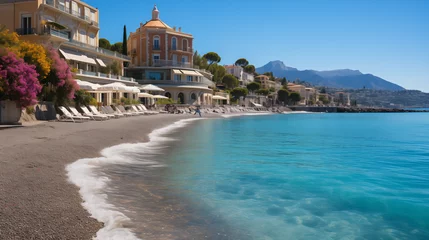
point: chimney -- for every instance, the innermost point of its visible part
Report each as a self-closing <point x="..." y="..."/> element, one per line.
<point x="180" y="29"/>
<point x="174" y="28"/>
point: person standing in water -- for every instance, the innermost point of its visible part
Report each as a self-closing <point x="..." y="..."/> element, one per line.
<point x="197" y="110"/>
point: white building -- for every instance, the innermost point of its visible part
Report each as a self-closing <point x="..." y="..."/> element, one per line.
<point x="243" y="77"/>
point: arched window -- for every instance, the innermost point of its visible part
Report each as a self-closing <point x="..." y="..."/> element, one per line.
<point x="156" y="43"/>
<point x="185" y="45"/>
<point x="181" y="98"/>
<point x="193" y="97"/>
<point x="167" y="94"/>
<point x="174" y="43"/>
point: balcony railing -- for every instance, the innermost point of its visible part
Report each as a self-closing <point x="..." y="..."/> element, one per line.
<point x="26" y="31"/>
<point x="188" y="50"/>
<point x="57" y="33"/>
<point x="55" y="4"/>
<point x="97" y="49"/>
<point x="169" y="63"/>
<point x="172" y="82"/>
<point x="156" y="48"/>
<point x="89" y="74"/>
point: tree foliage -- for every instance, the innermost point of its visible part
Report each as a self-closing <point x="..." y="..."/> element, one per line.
<point x="323" y="99"/>
<point x="264" y="92"/>
<point x="124" y="45"/>
<point x="104" y="43"/>
<point x="295" y="97"/>
<point x="230" y="81"/>
<point x="242" y="62"/>
<point x="18" y="80"/>
<point x="199" y="61"/>
<point x="83" y="98"/>
<point x="115" y="68"/>
<point x="283" y="95"/>
<point x="117" y="47"/>
<point x="218" y="72"/>
<point x="239" y="92"/>
<point x="250" y="69"/>
<point x="35" y="54"/>
<point x="212" y="57"/>
<point x="284" y="82"/>
<point x="253" y="86"/>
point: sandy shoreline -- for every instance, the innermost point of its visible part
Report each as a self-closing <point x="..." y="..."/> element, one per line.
<point x="36" y="200"/>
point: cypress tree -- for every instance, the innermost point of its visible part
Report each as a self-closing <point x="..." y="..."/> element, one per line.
<point x="124" y="45"/>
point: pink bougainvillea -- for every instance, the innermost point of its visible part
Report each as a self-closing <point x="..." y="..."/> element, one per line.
<point x="18" y="80"/>
<point x="60" y="78"/>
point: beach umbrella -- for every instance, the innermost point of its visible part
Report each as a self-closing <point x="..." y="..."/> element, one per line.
<point x="145" y="95"/>
<point x="217" y="97"/>
<point x="116" y="86"/>
<point x="87" y="85"/>
<point x="132" y="89"/>
<point x="159" y="97"/>
<point x="151" y="87"/>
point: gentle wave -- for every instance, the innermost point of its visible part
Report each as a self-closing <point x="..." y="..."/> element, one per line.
<point x="245" y="114"/>
<point x="92" y="186"/>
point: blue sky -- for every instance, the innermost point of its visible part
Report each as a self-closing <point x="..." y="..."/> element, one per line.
<point x="387" y="38"/>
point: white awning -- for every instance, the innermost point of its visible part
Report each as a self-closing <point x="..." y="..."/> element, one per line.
<point x="199" y="74"/>
<point x="100" y="62"/>
<point x="217" y="97"/>
<point x="177" y="71"/>
<point x="77" y="57"/>
<point x="191" y="73"/>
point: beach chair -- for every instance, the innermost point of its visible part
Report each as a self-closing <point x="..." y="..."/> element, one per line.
<point x="109" y="110"/>
<point x="96" y="112"/>
<point x="122" y="110"/>
<point x="149" y="111"/>
<point x="135" y="109"/>
<point x="68" y="115"/>
<point x="127" y="114"/>
<point x="89" y="114"/>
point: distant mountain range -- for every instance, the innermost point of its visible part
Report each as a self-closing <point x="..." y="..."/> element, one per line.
<point x="342" y="78"/>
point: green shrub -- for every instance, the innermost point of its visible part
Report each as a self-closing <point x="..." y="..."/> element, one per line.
<point x="30" y="110"/>
<point x="83" y="98"/>
<point x="165" y="101"/>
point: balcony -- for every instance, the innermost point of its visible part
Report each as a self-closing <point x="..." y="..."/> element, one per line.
<point x="168" y="63"/>
<point x="26" y="31"/>
<point x="187" y="50"/>
<point x="104" y="78"/>
<point x="55" y="4"/>
<point x="46" y="31"/>
<point x="156" y="48"/>
<point x="172" y="82"/>
<point x="97" y="49"/>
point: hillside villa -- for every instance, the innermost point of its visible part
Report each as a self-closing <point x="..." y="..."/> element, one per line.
<point x="243" y="77"/>
<point x="162" y="55"/>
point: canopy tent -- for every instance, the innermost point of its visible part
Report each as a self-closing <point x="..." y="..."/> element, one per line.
<point x="217" y="97"/>
<point x="159" y="97"/>
<point x="87" y="85"/>
<point x="69" y="55"/>
<point x="145" y="95"/>
<point x="151" y="87"/>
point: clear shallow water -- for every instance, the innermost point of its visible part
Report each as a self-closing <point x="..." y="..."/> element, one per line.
<point x="311" y="176"/>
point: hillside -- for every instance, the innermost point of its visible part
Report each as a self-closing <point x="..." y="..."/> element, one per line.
<point x="343" y="78"/>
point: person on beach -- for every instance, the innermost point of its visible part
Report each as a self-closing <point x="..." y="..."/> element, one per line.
<point x="197" y="110"/>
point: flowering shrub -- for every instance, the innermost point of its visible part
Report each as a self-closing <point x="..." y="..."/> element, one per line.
<point x="59" y="86"/>
<point x="36" y="55"/>
<point x="18" y="80"/>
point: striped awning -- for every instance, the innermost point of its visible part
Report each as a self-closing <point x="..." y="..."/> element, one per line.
<point x="100" y="62"/>
<point x="69" y="55"/>
<point x="177" y="71"/>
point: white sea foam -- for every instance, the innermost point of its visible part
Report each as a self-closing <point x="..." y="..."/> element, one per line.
<point x="92" y="186"/>
<point x="245" y="114"/>
<point x="300" y="112"/>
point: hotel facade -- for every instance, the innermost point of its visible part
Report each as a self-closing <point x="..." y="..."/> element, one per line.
<point x="71" y="26"/>
<point x="162" y="55"/>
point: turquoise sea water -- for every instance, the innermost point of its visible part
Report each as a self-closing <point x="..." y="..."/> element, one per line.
<point x="309" y="176"/>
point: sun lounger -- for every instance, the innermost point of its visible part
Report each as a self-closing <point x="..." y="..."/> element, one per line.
<point x="122" y="109"/>
<point x="68" y="115"/>
<point x="88" y="113"/>
<point x="96" y="112"/>
<point x="127" y="114"/>
<point x="142" y="110"/>
<point x="135" y="109"/>
<point x="154" y="112"/>
<point x="109" y="110"/>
